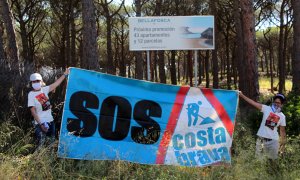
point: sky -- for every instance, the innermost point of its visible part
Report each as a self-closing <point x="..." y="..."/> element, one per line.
<point x="127" y="2"/>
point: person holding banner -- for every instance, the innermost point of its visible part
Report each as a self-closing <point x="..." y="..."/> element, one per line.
<point x="267" y="143"/>
<point x="40" y="107"/>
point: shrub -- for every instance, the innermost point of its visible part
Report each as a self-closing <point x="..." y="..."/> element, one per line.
<point x="14" y="141"/>
<point x="292" y="112"/>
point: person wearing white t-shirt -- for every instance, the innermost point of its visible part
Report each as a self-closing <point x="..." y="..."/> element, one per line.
<point x="268" y="138"/>
<point x="40" y="107"/>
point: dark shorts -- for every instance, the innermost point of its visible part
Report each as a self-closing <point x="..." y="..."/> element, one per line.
<point x="41" y="135"/>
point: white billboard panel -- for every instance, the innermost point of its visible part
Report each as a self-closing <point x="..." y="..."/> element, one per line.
<point x="171" y="33"/>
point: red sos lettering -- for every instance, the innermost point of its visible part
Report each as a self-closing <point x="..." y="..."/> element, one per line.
<point x="85" y="124"/>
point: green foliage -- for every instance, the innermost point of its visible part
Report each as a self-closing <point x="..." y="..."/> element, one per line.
<point x="14" y="141"/>
<point x="9" y="135"/>
<point x="292" y="112"/>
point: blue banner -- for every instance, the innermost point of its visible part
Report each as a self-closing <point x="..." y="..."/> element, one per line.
<point x="108" y="117"/>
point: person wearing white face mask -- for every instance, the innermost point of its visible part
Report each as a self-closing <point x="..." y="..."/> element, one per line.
<point x="267" y="143"/>
<point x="40" y="107"/>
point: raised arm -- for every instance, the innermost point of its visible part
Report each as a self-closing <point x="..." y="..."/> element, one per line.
<point x="250" y="101"/>
<point x="59" y="80"/>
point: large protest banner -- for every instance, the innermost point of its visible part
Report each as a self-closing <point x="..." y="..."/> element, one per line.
<point x="107" y="117"/>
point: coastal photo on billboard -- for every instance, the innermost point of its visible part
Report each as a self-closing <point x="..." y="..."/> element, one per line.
<point x="171" y="33"/>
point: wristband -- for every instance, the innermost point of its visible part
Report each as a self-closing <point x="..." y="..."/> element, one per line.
<point x="66" y="75"/>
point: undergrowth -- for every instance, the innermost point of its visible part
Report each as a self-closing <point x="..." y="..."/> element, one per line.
<point x="44" y="164"/>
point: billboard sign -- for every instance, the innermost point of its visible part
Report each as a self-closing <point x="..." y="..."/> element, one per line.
<point x="171" y="33"/>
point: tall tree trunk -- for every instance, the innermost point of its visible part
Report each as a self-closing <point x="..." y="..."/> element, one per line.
<point x="190" y="66"/>
<point x="262" y="63"/>
<point x="281" y="50"/>
<point x="152" y="65"/>
<point x="89" y="39"/>
<point x="239" y="54"/>
<point x="123" y="63"/>
<point x="73" y="59"/>
<point x="111" y="63"/>
<point x="173" y="68"/>
<point x="128" y="70"/>
<point x="228" y="70"/>
<point x="25" y="41"/>
<point x="250" y="55"/>
<point x="155" y="59"/>
<point x="296" y="47"/>
<point x="145" y="71"/>
<point x="234" y="66"/>
<point x="161" y="59"/>
<point x="178" y="70"/>
<point x="110" y="60"/>
<point x="266" y="61"/>
<point x="68" y="44"/>
<point x="65" y="51"/>
<point x="289" y="63"/>
<point x="222" y="66"/>
<point x="161" y="67"/>
<point x="185" y="68"/>
<point x="116" y="55"/>
<point x="138" y="54"/>
<point x="271" y="66"/>
<point x="215" y="52"/>
<point x="215" y="68"/>
<point x="12" y="49"/>
<point x="200" y="68"/>
<point x="2" y="54"/>
<point x="207" y="69"/>
<point x="285" y="55"/>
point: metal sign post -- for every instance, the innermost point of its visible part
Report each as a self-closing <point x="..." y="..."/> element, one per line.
<point x="196" y="67"/>
<point x="148" y="65"/>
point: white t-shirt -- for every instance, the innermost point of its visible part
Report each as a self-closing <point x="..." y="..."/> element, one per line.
<point x="40" y="100"/>
<point x="270" y="122"/>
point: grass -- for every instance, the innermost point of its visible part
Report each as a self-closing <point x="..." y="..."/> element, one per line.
<point x="265" y="84"/>
<point x="45" y="164"/>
